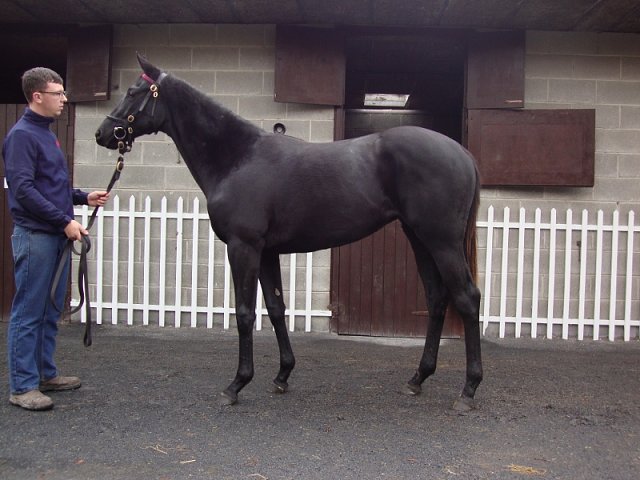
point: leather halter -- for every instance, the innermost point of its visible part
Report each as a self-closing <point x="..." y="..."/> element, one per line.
<point x="123" y="134"/>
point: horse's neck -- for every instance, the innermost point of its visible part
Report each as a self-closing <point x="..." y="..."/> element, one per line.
<point x="210" y="138"/>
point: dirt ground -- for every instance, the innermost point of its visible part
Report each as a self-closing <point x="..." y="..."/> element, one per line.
<point x="148" y="409"/>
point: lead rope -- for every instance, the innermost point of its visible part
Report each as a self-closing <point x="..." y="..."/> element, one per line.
<point x="125" y="142"/>
<point x="83" y="278"/>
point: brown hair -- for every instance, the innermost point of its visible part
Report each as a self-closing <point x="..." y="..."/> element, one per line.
<point x="36" y="80"/>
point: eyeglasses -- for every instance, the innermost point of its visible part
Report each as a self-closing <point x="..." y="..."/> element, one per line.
<point x="61" y="93"/>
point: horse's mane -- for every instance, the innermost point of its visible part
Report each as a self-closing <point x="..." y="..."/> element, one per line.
<point x="223" y="137"/>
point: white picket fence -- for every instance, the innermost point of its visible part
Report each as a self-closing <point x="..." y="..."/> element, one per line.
<point x="552" y="278"/>
<point x="138" y="241"/>
<point x="569" y="275"/>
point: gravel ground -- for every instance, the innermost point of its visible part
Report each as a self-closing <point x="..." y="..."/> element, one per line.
<point x="148" y="409"/>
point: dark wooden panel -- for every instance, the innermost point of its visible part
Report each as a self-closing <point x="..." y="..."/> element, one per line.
<point x="495" y="70"/>
<point x="376" y="288"/>
<point x="89" y="64"/>
<point x="310" y="66"/>
<point x="534" y="147"/>
<point x="9" y="114"/>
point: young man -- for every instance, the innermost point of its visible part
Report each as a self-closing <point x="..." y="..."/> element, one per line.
<point x="41" y="202"/>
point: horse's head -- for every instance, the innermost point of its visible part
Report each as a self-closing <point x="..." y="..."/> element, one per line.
<point x="138" y="113"/>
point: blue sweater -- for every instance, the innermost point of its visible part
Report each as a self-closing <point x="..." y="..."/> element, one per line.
<point x="40" y="194"/>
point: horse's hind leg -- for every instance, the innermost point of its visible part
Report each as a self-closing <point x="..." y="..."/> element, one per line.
<point x="465" y="297"/>
<point x="271" y="281"/>
<point x="437" y="300"/>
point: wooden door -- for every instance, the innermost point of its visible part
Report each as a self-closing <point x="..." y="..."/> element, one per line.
<point x="63" y="127"/>
<point x="376" y="289"/>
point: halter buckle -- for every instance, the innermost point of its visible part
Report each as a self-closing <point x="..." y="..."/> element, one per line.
<point x="119" y="133"/>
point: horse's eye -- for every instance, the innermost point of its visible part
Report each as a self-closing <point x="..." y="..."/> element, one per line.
<point x="130" y="92"/>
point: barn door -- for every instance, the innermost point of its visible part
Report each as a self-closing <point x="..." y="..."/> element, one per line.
<point x="63" y="127"/>
<point x="376" y="289"/>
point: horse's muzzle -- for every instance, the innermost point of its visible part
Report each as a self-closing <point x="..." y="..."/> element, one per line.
<point x="106" y="137"/>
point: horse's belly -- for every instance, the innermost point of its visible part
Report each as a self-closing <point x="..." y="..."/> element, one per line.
<point x="327" y="229"/>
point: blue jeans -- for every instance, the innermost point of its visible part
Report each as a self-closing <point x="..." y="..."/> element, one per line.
<point x="34" y="320"/>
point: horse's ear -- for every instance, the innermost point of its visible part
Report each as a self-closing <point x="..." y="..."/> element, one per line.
<point x="148" y="67"/>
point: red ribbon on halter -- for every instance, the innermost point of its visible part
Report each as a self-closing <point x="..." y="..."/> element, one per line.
<point x="148" y="78"/>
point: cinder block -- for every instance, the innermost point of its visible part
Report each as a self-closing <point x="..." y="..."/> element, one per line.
<point x="216" y="58"/>
<point x="629" y="167"/>
<point x="172" y="58"/>
<point x="606" y="165"/>
<point x="192" y="35"/>
<point x="261" y="107"/>
<point x="619" y="93"/>
<point x="158" y="153"/>
<point x="321" y="131"/>
<point x="91" y="177"/>
<point x="241" y="35"/>
<point x="140" y="177"/>
<point x="179" y="178"/>
<point x="608" y="116"/>
<point x="617" y="141"/>
<point x="594" y="67"/>
<point x="572" y="91"/>
<point x="626" y="44"/>
<point x="238" y="83"/>
<point x="257" y="58"/>
<point x="295" y="128"/>
<point x="630" y="117"/>
<point x="617" y="190"/>
<point x="549" y="66"/>
<point x="562" y="43"/>
<point x="204" y="81"/>
<point x="124" y="57"/>
<point x="630" y="68"/>
<point x="299" y="111"/>
<point x="536" y="90"/>
<point x="86" y="129"/>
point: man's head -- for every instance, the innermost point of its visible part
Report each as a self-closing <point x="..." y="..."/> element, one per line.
<point x="44" y="91"/>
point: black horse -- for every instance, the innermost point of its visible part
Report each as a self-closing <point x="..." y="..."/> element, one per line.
<point x="269" y="194"/>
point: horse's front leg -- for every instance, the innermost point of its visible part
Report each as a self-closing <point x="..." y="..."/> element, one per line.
<point x="244" y="260"/>
<point x="271" y="280"/>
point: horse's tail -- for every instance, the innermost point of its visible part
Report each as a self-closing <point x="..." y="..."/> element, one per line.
<point x="470" y="235"/>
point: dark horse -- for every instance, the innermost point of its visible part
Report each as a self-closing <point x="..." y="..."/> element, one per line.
<point x="270" y="194"/>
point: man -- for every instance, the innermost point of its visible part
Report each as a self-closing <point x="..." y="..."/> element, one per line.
<point x="41" y="202"/>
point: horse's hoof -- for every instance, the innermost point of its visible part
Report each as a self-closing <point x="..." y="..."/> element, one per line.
<point x="412" y="389"/>
<point x="227" y="399"/>
<point x="280" y="387"/>
<point x="464" y="404"/>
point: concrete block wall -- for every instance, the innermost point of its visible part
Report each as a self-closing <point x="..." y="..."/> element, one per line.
<point x="234" y="64"/>
<point x="599" y="71"/>
<point x="572" y="70"/>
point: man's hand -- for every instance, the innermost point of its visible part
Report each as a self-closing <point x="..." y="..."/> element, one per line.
<point x="74" y="231"/>
<point x="97" y="198"/>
